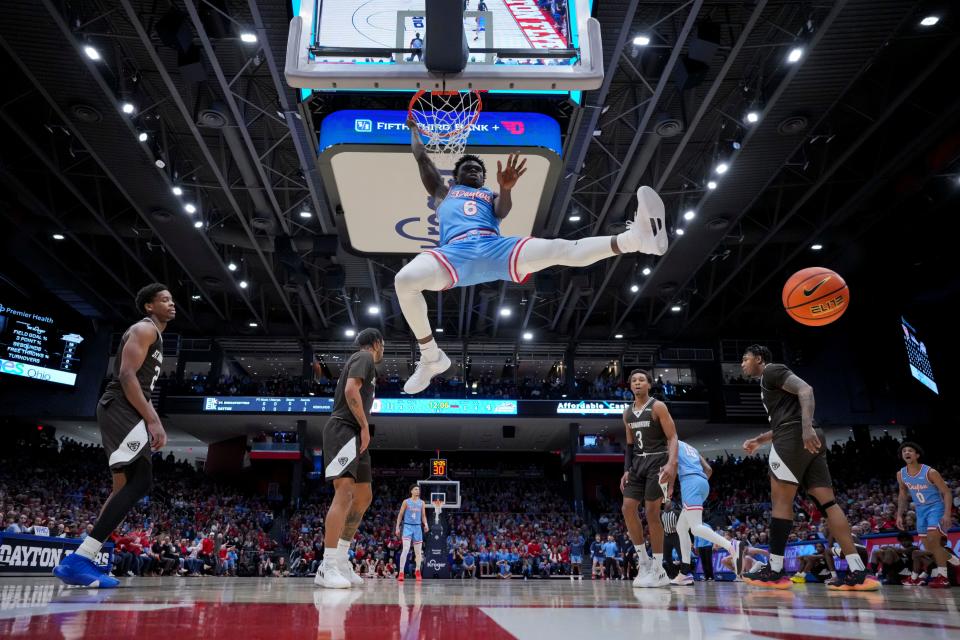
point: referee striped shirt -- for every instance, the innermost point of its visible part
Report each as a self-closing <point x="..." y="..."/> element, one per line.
<point x="669" y="520"/>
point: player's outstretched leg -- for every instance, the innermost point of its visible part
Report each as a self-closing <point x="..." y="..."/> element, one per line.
<point x="423" y="273"/>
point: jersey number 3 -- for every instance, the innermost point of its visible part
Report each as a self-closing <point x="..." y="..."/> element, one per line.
<point x="469" y="208"/>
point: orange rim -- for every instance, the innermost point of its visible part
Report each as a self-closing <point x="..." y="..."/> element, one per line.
<point x="449" y="134"/>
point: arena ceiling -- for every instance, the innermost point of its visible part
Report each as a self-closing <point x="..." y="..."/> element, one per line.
<point x="863" y="127"/>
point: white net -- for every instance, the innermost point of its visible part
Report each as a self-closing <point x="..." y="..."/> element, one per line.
<point x="437" y="510"/>
<point x="446" y="118"/>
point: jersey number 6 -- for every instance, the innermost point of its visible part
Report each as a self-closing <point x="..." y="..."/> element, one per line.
<point x="469" y="208"/>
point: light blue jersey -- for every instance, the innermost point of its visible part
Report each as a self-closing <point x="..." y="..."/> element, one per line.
<point x="688" y="461"/>
<point x="466" y="209"/>
<point x="412" y="514"/>
<point x="923" y="492"/>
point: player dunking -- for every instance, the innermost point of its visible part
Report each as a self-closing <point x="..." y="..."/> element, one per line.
<point x="695" y="474"/>
<point x="130" y="429"/>
<point x="933" y="501"/>
<point x="346" y="436"/>
<point x="413" y="518"/>
<point x="797" y="458"/>
<point x="472" y="251"/>
<point x="649" y="462"/>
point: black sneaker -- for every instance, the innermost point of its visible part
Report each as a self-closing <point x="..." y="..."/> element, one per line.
<point x="769" y="579"/>
<point x="855" y="581"/>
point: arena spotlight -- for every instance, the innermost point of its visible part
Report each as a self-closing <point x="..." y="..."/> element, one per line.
<point x="618" y="336"/>
<point x="350" y="333"/>
<point x="753" y="117"/>
<point x="177" y="191"/>
<point x="232" y="266"/>
<point x="306" y="213"/>
<point x="128" y="107"/>
<point x="527" y="335"/>
<point x="248" y="37"/>
<point x="252" y="325"/>
<point x="195" y="296"/>
<point x="675" y="308"/>
<point x="190" y="208"/>
<point x="690" y="214"/>
<point x="929" y="21"/>
<point x="634" y="288"/>
<point x="93" y="54"/>
<point x="58" y="236"/>
<point x="795" y="54"/>
<point x="438" y="330"/>
<point x="641" y="41"/>
<point x="373" y="310"/>
<point x="816" y="247"/>
<point x="143" y="136"/>
<point x="712" y="185"/>
<point x="243" y="284"/>
<point x="574" y="218"/>
<point x="646" y="271"/>
<point x="680" y="231"/>
<point x="721" y="168"/>
<point x="159" y="163"/>
<point x="506" y="312"/>
<point x="198" y="224"/>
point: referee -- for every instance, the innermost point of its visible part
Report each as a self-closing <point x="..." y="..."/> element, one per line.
<point x="671" y="541"/>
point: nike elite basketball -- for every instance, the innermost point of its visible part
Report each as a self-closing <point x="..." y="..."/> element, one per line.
<point x="815" y="296"/>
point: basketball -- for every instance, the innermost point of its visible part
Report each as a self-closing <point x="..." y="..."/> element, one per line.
<point x="815" y="296"/>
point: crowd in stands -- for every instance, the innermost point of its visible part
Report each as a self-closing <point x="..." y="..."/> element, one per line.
<point x="516" y="520"/>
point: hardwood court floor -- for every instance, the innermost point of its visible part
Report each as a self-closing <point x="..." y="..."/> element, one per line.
<point x="280" y="608"/>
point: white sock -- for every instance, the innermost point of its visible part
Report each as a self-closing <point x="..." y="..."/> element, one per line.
<point x="922" y="576"/>
<point x="913" y="575"/>
<point x="855" y="562"/>
<point x="89" y="548"/>
<point x="329" y="555"/>
<point x="776" y="563"/>
<point x="833" y="574"/>
<point x="658" y="558"/>
<point x="343" y="549"/>
<point x="429" y="350"/>
<point x="939" y="571"/>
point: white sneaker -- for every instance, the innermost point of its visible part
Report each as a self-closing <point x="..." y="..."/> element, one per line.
<point x="682" y="580"/>
<point x="659" y="579"/>
<point x="643" y="576"/>
<point x="330" y="577"/>
<point x="647" y="232"/>
<point x="346" y="569"/>
<point x="426" y="370"/>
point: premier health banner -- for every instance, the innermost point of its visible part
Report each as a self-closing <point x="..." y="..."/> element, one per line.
<point x="40" y="554"/>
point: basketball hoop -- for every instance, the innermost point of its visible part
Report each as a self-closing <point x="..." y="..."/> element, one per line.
<point x="446" y="118"/>
<point x="437" y="510"/>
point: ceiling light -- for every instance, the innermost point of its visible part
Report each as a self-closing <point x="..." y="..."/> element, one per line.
<point x="58" y="236"/>
<point x="93" y="54"/>
<point x="232" y="266"/>
<point x="160" y="163"/>
<point x="350" y="333"/>
<point x="253" y="325"/>
<point x="816" y="247"/>
<point x="690" y="215"/>
<point x="929" y="21"/>
<point x="248" y="37"/>
<point x="198" y="224"/>
<point x="795" y="54"/>
<point x="195" y="296"/>
<point x="243" y="284"/>
<point x="438" y="330"/>
<point x="634" y="288"/>
<point x="575" y="218"/>
<point x="753" y="116"/>
<point x="712" y="185"/>
<point x="675" y="308"/>
<point x="190" y="207"/>
<point x="305" y="213"/>
<point x="722" y="168"/>
<point x="528" y="336"/>
<point x="373" y="310"/>
<point x="127" y="107"/>
<point x="505" y="312"/>
<point x="143" y="136"/>
<point x="680" y="232"/>
<point x="646" y="271"/>
<point x="177" y="191"/>
<point x="619" y="336"/>
<point x="641" y="41"/>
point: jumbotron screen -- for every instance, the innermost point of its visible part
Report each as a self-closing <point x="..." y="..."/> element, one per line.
<point x="917" y="357"/>
<point x="34" y="346"/>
